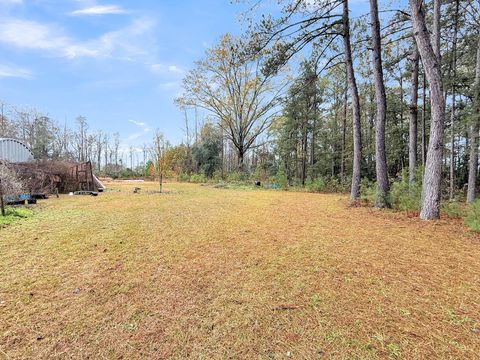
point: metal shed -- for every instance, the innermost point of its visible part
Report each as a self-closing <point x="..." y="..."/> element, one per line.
<point x="14" y="151"/>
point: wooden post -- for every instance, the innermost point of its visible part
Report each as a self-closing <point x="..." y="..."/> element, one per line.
<point x="2" y="204"/>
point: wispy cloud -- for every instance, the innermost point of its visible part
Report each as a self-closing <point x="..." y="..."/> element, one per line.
<point x="125" y="43"/>
<point x="99" y="10"/>
<point x="11" y="2"/>
<point x="164" y="69"/>
<point x="13" y="71"/>
<point x="144" y="129"/>
<point x="138" y="123"/>
<point x="31" y="35"/>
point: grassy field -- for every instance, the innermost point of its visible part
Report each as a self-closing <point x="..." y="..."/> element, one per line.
<point x="213" y="273"/>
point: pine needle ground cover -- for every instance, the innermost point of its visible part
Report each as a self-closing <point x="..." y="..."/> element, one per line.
<point x="214" y="273"/>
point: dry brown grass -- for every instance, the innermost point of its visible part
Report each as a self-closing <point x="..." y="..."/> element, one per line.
<point x="213" y="273"/>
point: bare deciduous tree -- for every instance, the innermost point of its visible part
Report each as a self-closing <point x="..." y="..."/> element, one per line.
<point x="10" y="184"/>
<point x="158" y="150"/>
<point x="233" y="88"/>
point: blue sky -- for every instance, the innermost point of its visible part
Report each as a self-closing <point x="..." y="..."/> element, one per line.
<point x="119" y="63"/>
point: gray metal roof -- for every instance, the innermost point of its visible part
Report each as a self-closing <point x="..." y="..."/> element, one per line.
<point x="12" y="150"/>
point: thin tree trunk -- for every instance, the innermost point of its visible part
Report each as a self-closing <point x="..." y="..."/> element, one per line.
<point x="453" y="112"/>
<point x="304" y="151"/>
<point x="357" y="134"/>
<point x="433" y="168"/>
<point x="436" y="28"/>
<point x="2" y="204"/>
<point x="160" y="179"/>
<point x="402" y="113"/>
<point x="344" y="133"/>
<point x="473" y="161"/>
<point x="314" y="124"/>
<point x="381" y="97"/>
<point x="452" y="149"/>
<point x="424" y="120"/>
<point x="412" y="144"/>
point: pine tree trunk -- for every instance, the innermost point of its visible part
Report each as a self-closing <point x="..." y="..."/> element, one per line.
<point x="473" y="162"/>
<point x="453" y="112"/>
<point x="304" y="153"/>
<point x="452" y="149"/>
<point x="433" y="169"/>
<point x="436" y="28"/>
<point x="381" y="97"/>
<point x="424" y="120"/>
<point x="314" y="125"/>
<point x="344" y="133"/>
<point x="357" y="134"/>
<point x="413" y="129"/>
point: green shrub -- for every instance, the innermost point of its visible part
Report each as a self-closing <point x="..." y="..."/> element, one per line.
<point x="344" y="185"/>
<point x="405" y="196"/>
<point x="317" y="185"/>
<point x="217" y="176"/>
<point x="281" y="179"/>
<point x="260" y="174"/>
<point x="198" y="178"/>
<point x="13" y="214"/>
<point x="183" y="177"/>
<point x="368" y="191"/>
<point x="453" y="209"/>
<point x="324" y="184"/>
<point x="473" y="218"/>
<point x="238" y="177"/>
<point x="334" y="185"/>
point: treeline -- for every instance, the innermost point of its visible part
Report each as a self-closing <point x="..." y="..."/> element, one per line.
<point x="376" y="98"/>
<point x="49" y="139"/>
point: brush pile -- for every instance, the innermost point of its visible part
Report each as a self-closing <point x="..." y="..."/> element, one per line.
<point x="49" y="177"/>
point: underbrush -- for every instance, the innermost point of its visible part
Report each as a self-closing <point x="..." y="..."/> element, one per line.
<point x="404" y="196"/>
<point x="327" y="184"/>
<point x="278" y="181"/>
<point x="472" y="220"/>
<point x="13" y="214"/>
<point x="407" y="197"/>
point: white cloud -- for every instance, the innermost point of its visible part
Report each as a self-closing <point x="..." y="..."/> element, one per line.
<point x="98" y="10"/>
<point x="13" y="71"/>
<point x="138" y="123"/>
<point x="31" y="35"/>
<point x="143" y="127"/>
<point x="125" y="43"/>
<point x="175" y="69"/>
<point x="164" y="69"/>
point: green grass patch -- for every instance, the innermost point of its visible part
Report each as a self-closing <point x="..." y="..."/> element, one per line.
<point x="13" y="214"/>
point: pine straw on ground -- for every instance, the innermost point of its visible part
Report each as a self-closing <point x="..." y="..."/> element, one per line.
<point x="213" y="273"/>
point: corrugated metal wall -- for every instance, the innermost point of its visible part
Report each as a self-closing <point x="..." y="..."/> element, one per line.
<point x="12" y="150"/>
